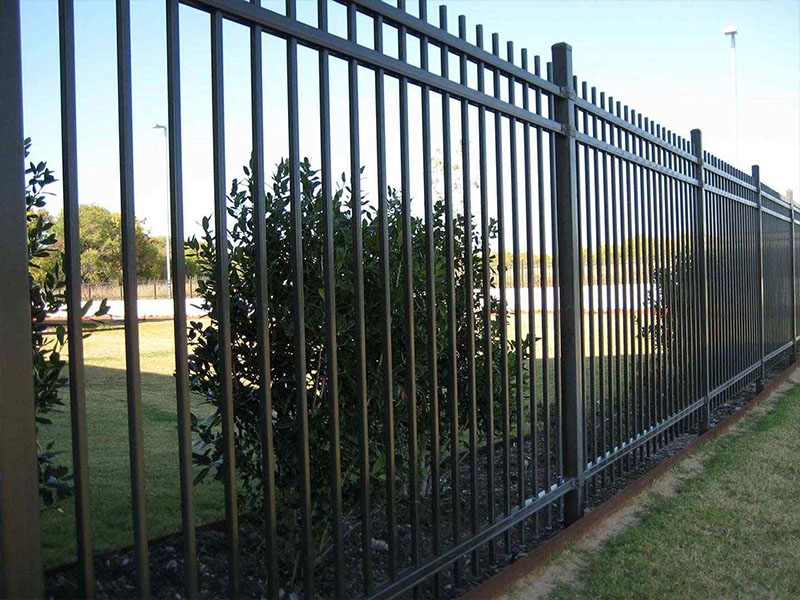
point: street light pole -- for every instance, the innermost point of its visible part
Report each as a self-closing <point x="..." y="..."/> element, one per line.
<point x="166" y="237"/>
<point x="731" y="30"/>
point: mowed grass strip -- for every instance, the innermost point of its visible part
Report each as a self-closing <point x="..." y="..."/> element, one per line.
<point x="109" y="464"/>
<point x="733" y="531"/>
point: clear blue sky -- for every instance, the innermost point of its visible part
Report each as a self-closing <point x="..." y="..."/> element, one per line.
<point x="668" y="60"/>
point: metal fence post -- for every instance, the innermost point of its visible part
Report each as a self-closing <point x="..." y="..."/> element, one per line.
<point x="20" y="551"/>
<point x="757" y="184"/>
<point x="569" y="256"/>
<point x="701" y="245"/>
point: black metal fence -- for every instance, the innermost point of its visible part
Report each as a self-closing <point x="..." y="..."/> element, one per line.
<point x="674" y="286"/>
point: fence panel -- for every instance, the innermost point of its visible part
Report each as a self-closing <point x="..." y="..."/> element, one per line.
<point x="778" y="315"/>
<point x="734" y="280"/>
<point x="795" y="276"/>
<point x="641" y="330"/>
<point x="514" y="425"/>
<point x="418" y="372"/>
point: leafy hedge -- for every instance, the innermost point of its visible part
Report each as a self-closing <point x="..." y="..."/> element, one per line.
<point x="203" y="362"/>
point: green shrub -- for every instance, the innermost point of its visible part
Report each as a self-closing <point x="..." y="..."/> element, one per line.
<point x="203" y="362"/>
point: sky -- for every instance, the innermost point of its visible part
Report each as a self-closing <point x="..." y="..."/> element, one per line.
<point x="667" y="60"/>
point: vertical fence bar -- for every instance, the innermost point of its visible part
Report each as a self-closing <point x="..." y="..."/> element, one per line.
<point x="501" y="279"/>
<point x="262" y="313"/>
<point x="613" y="212"/>
<point x="693" y="197"/>
<point x="629" y="321"/>
<point x="757" y="183"/>
<point x="752" y="297"/>
<point x="331" y="347"/>
<point x="639" y="283"/>
<point x="223" y="305"/>
<point x="468" y="292"/>
<point x="452" y="365"/>
<point x="727" y="271"/>
<point x="744" y="363"/>
<point x="360" y="332"/>
<point x="701" y="245"/>
<point x="683" y="320"/>
<point x="580" y="203"/>
<point x="669" y="282"/>
<point x="182" y="394"/>
<point x="674" y="312"/>
<point x="652" y="242"/>
<point x="543" y="274"/>
<point x="739" y="364"/>
<point x="666" y="294"/>
<point x="569" y="282"/>
<point x="20" y="550"/>
<point x="621" y="287"/>
<point x="515" y="267"/>
<point x="582" y="214"/>
<point x="72" y="271"/>
<point x="298" y="309"/>
<point x="647" y="260"/>
<point x="699" y="288"/>
<point x="487" y="309"/>
<point x="685" y="297"/>
<point x="179" y="300"/>
<point x="601" y="352"/>
<point x="589" y="159"/>
<point x="430" y="302"/>
<point x="132" y="371"/>
<point x="686" y="290"/>
<point x="408" y="304"/>
<point x="661" y="261"/>
<point x="792" y="237"/>
<point x="557" y="396"/>
<point x="608" y="414"/>
<point x="386" y="310"/>
<point x="715" y="313"/>
<point x="529" y="214"/>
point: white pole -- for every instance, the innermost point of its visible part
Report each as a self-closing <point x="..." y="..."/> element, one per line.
<point x="731" y="30"/>
<point x="735" y="95"/>
<point x="166" y="187"/>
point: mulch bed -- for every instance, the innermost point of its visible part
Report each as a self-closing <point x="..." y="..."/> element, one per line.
<point x="114" y="570"/>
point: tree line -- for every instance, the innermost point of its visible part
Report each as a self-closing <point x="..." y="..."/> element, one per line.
<point x="101" y="248"/>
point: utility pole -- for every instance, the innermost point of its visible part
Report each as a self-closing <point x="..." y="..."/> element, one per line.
<point x="166" y="236"/>
<point x="731" y="30"/>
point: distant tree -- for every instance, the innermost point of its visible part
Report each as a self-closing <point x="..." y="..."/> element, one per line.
<point x="192" y="268"/>
<point x="151" y="255"/>
<point x="101" y="250"/>
<point x="47" y="285"/>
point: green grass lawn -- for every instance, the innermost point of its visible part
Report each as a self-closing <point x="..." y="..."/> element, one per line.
<point x="109" y="471"/>
<point x="733" y="531"/>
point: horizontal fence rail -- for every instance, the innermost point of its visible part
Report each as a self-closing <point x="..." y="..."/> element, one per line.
<point x="519" y="292"/>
